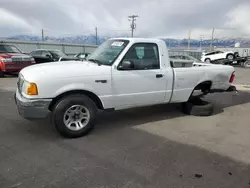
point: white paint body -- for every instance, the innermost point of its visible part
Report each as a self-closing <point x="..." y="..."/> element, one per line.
<point x="126" y="89"/>
<point x="216" y="55"/>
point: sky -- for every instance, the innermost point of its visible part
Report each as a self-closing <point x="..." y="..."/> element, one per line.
<point x="157" y="18"/>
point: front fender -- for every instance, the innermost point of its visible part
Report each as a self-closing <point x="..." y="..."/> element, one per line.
<point x="105" y="97"/>
<point x="72" y="87"/>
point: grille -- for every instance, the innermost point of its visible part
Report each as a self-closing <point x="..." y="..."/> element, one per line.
<point x="20" y="59"/>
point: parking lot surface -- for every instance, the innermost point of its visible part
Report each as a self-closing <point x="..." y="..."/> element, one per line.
<point x="147" y="147"/>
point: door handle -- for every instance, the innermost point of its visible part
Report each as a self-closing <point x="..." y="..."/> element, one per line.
<point x="101" y="81"/>
<point x="159" y="75"/>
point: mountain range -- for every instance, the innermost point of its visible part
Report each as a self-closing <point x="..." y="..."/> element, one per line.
<point x="177" y="43"/>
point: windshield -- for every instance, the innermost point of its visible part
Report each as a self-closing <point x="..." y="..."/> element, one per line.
<point x="107" y="53"/>
<point x="57" y="53"/>
<point x="9" y="49"/>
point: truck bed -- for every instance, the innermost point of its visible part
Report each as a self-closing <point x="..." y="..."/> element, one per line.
<point x="189" y="74"/>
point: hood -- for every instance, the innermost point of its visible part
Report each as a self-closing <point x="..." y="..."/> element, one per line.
<point x="9" y="55"/>
<point x="64" y="69"/>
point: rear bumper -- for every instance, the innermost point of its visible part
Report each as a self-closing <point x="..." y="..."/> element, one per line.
<point x="32" y="109"/>
<point x="230" y="89"/>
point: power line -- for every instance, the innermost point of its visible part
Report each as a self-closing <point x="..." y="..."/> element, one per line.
<point x="133" y="24"/>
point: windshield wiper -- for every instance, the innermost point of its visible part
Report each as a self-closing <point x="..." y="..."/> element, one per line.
<point x="95" y="61"/>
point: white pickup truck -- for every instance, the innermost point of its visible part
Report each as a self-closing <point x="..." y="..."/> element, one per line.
<point x="121" y="73"/>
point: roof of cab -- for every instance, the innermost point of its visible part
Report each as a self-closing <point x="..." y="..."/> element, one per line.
<point x="139" y="39"/>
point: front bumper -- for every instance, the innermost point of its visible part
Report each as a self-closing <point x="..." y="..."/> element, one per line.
<point x="32" y="108"/>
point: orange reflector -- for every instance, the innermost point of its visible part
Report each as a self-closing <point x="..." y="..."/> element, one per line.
<point x="32" y="89"/>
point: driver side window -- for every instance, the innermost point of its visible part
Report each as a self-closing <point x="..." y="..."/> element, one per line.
<point x="45" y="53"/>
<point x="37" y="53"/>
<point x="143" y="56"/>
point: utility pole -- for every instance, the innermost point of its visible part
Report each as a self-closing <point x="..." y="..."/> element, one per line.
<point x="132" y="25"/>
<point x="96" y="37"/>
<point x="212" y="39"/>
<point x="201" y="38"/>
<point x="42" y="35"/>
<point x="189" y="34"/>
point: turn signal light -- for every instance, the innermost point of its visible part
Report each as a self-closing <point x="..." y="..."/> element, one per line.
<point x="32" y="89"/>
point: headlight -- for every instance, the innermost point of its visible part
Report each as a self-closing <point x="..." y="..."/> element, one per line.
<point x="32" y="60"/>
<point x="6" y="60"/>
<point x="29" y="88"/>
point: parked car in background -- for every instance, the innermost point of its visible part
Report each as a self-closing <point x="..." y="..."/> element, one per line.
<point x="82" y="56"/>
<point x="50" y="55"/>
<point x="12" y="60"/>
<point x="217" y="55"/>
<point x="185" y="57"/>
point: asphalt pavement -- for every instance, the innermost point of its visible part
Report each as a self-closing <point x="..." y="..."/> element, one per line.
<point x="146" y="147"/>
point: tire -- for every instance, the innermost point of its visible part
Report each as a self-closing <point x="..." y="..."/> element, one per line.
<point x="1" y="74"/>
<point x="197" y="107"/>
<point x="230" y="56"/>
<point x="66" y="109"/>
<point x="246" y="64"/>
<point x="208" y="60"/>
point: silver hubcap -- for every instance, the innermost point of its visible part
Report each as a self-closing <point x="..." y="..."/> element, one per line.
<point x="230" y="57"/>
<point x="76" y="117"/>
<point x="207" y="60"/>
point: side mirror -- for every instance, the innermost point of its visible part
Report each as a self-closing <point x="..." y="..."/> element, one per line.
<point x="126" y="65"/>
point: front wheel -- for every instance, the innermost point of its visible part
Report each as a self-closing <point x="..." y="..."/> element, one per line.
<point x="74" y="116"/>
<point x="1" y="74"/>
<point x="246" y="64"/>
<point x="207" y="60"/>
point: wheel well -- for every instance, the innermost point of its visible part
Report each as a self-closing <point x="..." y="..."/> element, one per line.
<point x="91" y="95"/>
<point x="204" y="86"/>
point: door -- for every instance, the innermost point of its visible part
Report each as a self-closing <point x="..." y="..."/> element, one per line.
<point x="209" y="56"/>
<point x="144" y="83"/>
<point x="46" y="56"/>
<point x="37" y="56"/>
<point x="218" y="55"/>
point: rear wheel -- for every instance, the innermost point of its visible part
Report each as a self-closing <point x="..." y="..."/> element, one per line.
<point x="74" y="115"/>
<point x="197" y="107"/>
<point x="246" y="64"/>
